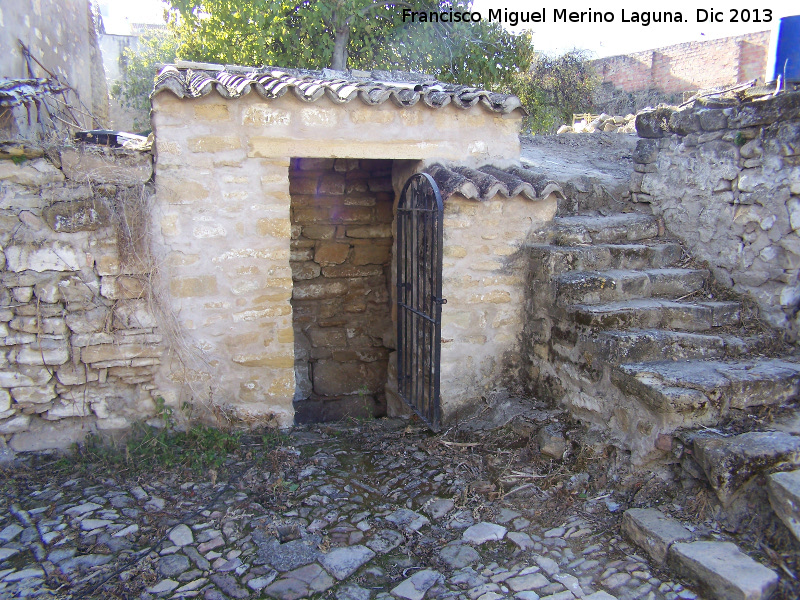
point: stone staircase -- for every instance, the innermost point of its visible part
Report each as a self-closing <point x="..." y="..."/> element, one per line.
<point x="628" y="335"/>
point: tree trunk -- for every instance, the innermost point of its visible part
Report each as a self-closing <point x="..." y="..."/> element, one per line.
<point x="341" y="39"/>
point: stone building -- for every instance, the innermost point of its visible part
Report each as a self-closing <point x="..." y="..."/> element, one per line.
<point x="275" y="212"/>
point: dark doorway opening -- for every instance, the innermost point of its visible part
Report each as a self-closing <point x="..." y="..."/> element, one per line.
<point x="342" y="213"/>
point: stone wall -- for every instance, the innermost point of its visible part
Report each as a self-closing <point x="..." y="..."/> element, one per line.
<point x="78" y="337"/>
<point x="223" y="225"/>
<point x="61" y="35"/>
<point x="341" y="250"/>
<point x="484" y="280"/>
<point x="689" y="66"/>
<point x="725" y="177"/>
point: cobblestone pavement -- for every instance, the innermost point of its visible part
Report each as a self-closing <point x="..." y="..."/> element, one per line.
<point x="367" y="511"/>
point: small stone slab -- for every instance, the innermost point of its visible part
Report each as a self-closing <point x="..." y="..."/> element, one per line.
<point x="343" y="562"/>
<point x="91" y="524"/>
<point x="385" y="540"/>
<point x="723" y="570"/>
<point x="533" y="581"/>
<point x="731" y="462"/>
<point x="484" y="532"/>
<point x="600" y="596"/>
<point x="523" y="540"/>
<point x="259" y="583"/>
<point x="353" y="592"/>
<point x="6" y="553"/>
<point x="439" y="507"/>
<point x="163" y="587"/>
<point x="416" y="586"/>
<point x="229" y="586"/>
<point x="291" y="555"/>
<point x="82" y="509"/>
<point x="172" y="565"/>
<point x="548" y="564"/>
<point x="300" y="583"/>
<point x="784" y="496"/>
<point x="403" y="517"/>
<point x="653" y="531"/>
<point x="24" y="574"/>
<point x="10" y="532"/>
<point x="181" y="536"/>
<point x="458" y="556"/>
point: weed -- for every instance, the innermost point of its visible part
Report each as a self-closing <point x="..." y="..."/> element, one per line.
<point x="199" y="448"/>
<point x="18" y="160"/>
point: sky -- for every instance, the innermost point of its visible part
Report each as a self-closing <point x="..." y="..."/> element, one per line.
<point x="599" y="38"/>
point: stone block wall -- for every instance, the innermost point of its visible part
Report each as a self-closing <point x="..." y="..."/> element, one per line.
<point x="341" y="251"/>
<point x="222" y="225"/>
<point x="689" y="66"/>
<point x="725" y="177"/>
<point x="79" y="342"/>
<point x="485" y="269"/>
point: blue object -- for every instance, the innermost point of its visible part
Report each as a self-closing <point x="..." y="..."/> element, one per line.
<point x="785" y="62"/>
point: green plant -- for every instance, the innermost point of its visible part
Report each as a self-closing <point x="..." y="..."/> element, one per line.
<point x="554" y="88"/>
<point x="346" y="34"/>
<point x="18" y="160"/>
<point x="739" y="140"/>
<point x="139" y="68"/>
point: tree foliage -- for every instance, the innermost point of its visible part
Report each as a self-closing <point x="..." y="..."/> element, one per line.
<point x="555" y="87"/>
<point x="311" y="33"/>
<point x="139" y="67"/>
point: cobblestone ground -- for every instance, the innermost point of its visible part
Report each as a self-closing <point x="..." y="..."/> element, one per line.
<point x="367" y="511"/>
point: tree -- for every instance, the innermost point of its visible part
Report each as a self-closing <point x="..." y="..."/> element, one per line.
<point x="555" y="87"/>
<point x="139" y="70"/>
<point x="363" y="34"/>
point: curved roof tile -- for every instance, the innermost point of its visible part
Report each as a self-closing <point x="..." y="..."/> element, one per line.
<point x="188" y="80"/>
<point x="486" y="182"/>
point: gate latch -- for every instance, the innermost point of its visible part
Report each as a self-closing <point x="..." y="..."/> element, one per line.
<point x="440" y="300"/>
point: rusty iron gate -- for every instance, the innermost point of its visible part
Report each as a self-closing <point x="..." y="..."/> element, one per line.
<point x="419" y="297"/>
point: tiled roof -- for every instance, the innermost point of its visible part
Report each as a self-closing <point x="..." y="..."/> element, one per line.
<point x="14" y="92"/>
<point x="190" y="80"/>
<point x="486" y="182"/>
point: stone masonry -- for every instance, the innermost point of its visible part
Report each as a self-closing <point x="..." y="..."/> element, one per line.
<point x="223" y="226"/>
<point x="725" y="178"/>
<point x="77" y="330"/>
<point x="341" y="250"/>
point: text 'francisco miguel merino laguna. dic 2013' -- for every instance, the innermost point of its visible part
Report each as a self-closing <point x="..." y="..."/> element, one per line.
<point x="563" y="15"/>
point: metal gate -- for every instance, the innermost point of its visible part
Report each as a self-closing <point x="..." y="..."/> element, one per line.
<point x="419" y="296"/>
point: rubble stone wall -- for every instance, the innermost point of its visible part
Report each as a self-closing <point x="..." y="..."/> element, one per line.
<point x="341" y="251"/>
<point x="726" y="180"/>
<point x="78" y="337"/>
<point x="689" y="66"/>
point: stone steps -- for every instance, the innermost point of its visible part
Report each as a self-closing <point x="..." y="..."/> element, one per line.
<point x="645" y="345"/>
<point x="630" y="227"/>
<point x="596" y="287"/>
<point x="731" y="462"/>
<point x="721" y="569"/>
<point x="709" y="388"/>
<point x="547" y="259"/>
<point x="651" y="313"/>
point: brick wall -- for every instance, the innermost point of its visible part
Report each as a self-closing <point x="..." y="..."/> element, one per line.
<point x="341" y="250"/>
<point x="689" y="66"/>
